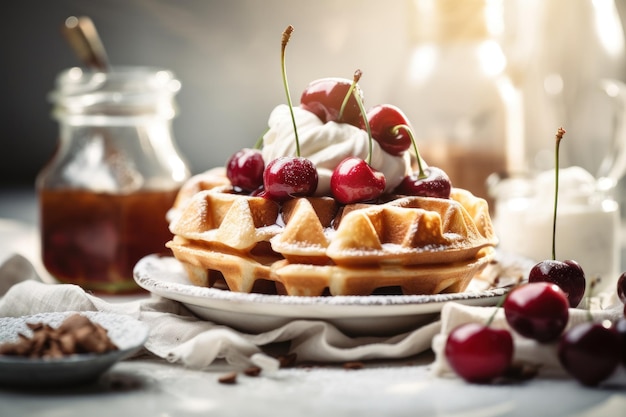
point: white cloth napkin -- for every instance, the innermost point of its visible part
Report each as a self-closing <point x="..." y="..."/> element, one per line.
<point x="526" y="351"/>
<point x="178" y="336"/>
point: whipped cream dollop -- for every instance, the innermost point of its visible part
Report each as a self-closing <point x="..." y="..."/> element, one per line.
<point x="326" y="145"/>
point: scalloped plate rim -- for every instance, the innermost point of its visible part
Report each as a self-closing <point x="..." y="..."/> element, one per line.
<point x="164" y="276"/>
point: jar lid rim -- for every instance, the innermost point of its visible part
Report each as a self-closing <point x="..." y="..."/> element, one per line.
<point x="77" y="83"/>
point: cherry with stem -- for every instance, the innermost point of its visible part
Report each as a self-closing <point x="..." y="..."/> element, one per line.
<point x="477" y="352"/>
<point x="566" y="274"/>
<point x="382" y="119"/>
<point x="333" y="100"/>
<point x="426" y="182"/>
<point x="354" y="179"/>
<point x="288" y="177"/>
<point x="283" y="66"/>
<point x="538" y="311"/>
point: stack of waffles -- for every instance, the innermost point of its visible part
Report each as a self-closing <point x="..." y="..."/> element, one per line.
<point x="315" y="246"/>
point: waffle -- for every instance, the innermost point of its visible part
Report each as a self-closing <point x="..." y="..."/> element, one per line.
<point x="313" y="246"/>
<point x="207" y="180"/>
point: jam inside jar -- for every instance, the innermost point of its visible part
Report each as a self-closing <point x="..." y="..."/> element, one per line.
<point x="105" y="194"/>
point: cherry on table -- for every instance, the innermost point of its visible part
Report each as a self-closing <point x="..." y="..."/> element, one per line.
<point x="568" y="275"/>
<point x="436" y="183"/>
<point x="479" y="353"/>
<point x="287" y="177"/>
<point x="590" y="352"/>
<point x="382" y="120"/>
<point x="245" y="169"/>
<point x="538" y="311"/>
<point x="354" y="180"/>
<point x="324" y="98"/>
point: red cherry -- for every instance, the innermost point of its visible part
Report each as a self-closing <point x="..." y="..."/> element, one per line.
<point x="287" y="177"/>
<point x="354" y="180"/>
<point x="382" y="119"/>
<point x="436" y="183"/>
<point x="245" y="168"/>
<point x="479" y="353"/>
<point x="538" y="311"/>
<point x="621" y="287"/>
<point x="568" y="275"/>
<point x="325" y="96"/>
<point x="590" y="352"/>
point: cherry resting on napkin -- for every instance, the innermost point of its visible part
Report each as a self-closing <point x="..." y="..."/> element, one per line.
<point x="538" y="311"/>
<point x="590" y="352"/>
<point x="479" y="353"/>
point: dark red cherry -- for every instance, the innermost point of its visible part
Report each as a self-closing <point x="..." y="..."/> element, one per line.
<point x="245" y="169"/>
<point x="478" y="353"/>
<point x="325" y="96"/>
<point x="382" y="119"/>
<point x="621" y="287"/>
<point x="436" y="183"/>
<point x="287" y="177"/>
<point x="538" y="311"/>
<point x="353" y="180"/>
<point x="566" y="274"/>
<point x="590" y="352"/>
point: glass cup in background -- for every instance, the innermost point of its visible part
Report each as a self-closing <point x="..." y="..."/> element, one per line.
<point x="587" y="225"/>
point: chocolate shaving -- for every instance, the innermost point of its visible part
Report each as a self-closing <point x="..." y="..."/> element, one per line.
<point x="252" y="371"/>
<point x="229" y="378"/>
<point x="287" y="361"/>
<point x="77" y="334"/>
<point x="353" y="365"/>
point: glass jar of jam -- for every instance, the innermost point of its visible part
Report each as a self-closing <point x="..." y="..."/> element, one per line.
<point x="104" y="195"/>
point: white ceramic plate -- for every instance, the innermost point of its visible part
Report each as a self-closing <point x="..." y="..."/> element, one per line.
<point x="127" y="333"/>
<point x="372" y="315"/>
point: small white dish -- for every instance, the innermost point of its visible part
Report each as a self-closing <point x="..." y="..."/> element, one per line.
<point x="127" y="333"/>
<point x="374" y="315"/>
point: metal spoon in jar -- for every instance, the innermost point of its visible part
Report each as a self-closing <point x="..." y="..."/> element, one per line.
<point x="83" y="37"/>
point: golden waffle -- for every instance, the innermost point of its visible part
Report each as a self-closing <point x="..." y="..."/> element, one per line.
<point x="317" y="280"/>
<point x="312" y="246"/>
<point x="207" y="180"/>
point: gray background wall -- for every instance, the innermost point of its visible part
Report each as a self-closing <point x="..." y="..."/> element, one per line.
<point x="226" y="54"/>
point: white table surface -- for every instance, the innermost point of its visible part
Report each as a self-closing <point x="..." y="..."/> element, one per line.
<point x="152" y="387"/>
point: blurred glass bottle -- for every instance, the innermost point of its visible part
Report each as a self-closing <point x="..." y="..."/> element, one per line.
<point x="104" y="195"/>
<point x="454" y="88"/>
<point x="576" y="46"/>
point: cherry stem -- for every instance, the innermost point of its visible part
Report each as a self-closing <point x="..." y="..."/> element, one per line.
<point x="559" y="135"/>
<point x="357" y="76"/>
<point x="259" y="142"/>
<point x="394" y="131"/>
<point x="501" y="301"/>
<point x="344" y="103"/>
<point x="592" y="287"/>
<point x="492" y="316"/>
<point x="285" y="39"/>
